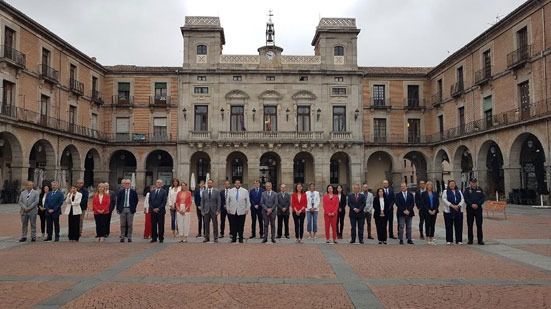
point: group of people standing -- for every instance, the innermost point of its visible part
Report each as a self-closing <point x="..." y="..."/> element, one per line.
<point x="265" y="206"/>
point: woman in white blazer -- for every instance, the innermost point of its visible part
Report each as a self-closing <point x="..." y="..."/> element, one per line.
<point x="312" y="210"/>
<point x="73" y="210"/>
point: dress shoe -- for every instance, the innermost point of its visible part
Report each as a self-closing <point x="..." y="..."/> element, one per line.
<point x="129" y="240"/>
<point x="216" y="240"/>
<point x="278" y="237"/>
<point x="233" y="241"/>
<point x="221" y="236"/>
<point x="161" y="241"/>
<point x="287" y="237"/>
<point x="352" y="241"/>
<point x="241" y="241"/>
<point x="199" y="235"/>
<point x="252" y="237"/>
<point x="48" y="239"/>
<point x="481" y="243"/>
<point x="361" y="242"/>
<point x="23" y="239"/>
<point x="410" y="242"/>
<point x="401" y="242"/>
<point x="393" y="237"/>
<point x="206" y="240"/>
<point x="470" y="242"/>
<point x="153" y="240"/>
<point x="369" y="237"/>
<point x="33" y="239"/>
<point x="122" y="240"/>
<point x="264" y="241"/>
<point x="57" y="239"/>
<point x="273" y="241"/>
<point x="380" y="242"/>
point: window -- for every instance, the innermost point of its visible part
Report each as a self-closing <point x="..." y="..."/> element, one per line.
<point x="9" y="40"/>
<point x="413" y="96"/>
<point x="201" y="49"/>
<point x="201" y="90"/>
<point x="159" y="128"/>
<point x="487" y="108"/>
<point x="339" y="79"/>
<point x="122" y="129"/>
<point x="45" y="59"/>
<point x="95" y="93"/>
<point x="299" y="169"/>
<point x="201" y="78"/>
<point x="237" y="169"/>
<point x="237" y="78"/>
<point x="201" y="118"/>
<point x="270" y="78"/>
<point x="338" y="91"/>
<point x="270" y="118"/>
<point x="8" y="97"/>
<point x="303" y="78"/>
<point x="339" y="119"/>
<point x="94" y="121"/>
<point x="303" y="119"/>
<point x="72" y="117"/>
<point x="44" y="109"/>
<point x="461" y="115"/>
<point x="487" y="64"/>
<point x="414" y="130"/>
<point x="161" y="92"/>
<point x="338" y="51"/>
<point x="524" y="99"/>
<point x="522" y="39"/>
<point x="237" y="118"/>
<point x="441" y="125"/>
<point x="379" y="129"/>
<point x="459" y="78"/>
<point x="379" y="95"/>
<point x="439" y="90"/>
<point x="124" y="92"/>
<point x="72" y="72"/>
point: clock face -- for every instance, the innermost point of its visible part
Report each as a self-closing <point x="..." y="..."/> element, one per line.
<point x="270" y="55"/>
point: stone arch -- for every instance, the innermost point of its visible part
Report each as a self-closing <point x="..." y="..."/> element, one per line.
<point x="158" y="164"/>
<point x="236" y="94"/>
<point x="464" y="164"/>
<point x="379" y="167"/>
<point x="527" y="158"/>
<point x="237" y="167"/>
<point x="304" y="95"/>
<point x="339" y="169"/>
<point x="92" y="161"/>
<point x="42" y="162"/>
<point x="69" y="165"/>
<point x="12" y="174"/>
<point x="122" y="164"/>
<point x="270" y="168"/>
<point x="303" y="167"/>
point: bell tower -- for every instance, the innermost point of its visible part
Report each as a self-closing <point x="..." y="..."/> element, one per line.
<point x="270" y="53"/>
<point x="270" y="31"/>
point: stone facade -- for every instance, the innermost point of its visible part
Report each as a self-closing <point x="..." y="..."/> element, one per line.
<point x="319" y="118"/>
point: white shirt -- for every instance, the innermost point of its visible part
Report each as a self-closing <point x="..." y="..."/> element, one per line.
<point x="313" y="200"/>
<point x="382" y="204"/>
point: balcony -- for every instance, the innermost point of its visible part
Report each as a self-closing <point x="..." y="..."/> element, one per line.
<point x="414" y="104"/>
<point x="519" y="57"/>
<point x="340" y="136"/>
<point x="456" y="90"/>
<point x="96" y="98"/>
<point x="381" y="103"/>
<point x="377" y="139"/>
<point x="13" y="56"/>
<point x="159" y="101"/>
<point x="122" y="101"/>
<point x="437" y="99"/>
<point x="49" y="74"/>
<point x="76" y="87"/>
<point x="483" y="76"/>
<point x="273" y="136"/>
<point x="140" y="138"/>
<point x="25" y="116"/>
<point x="516" y="116"/>
<point x="200" y="135"/>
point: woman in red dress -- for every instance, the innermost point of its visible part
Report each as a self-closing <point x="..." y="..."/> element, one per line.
<point x="330" y="211"/>
<point x="147" y="226"/>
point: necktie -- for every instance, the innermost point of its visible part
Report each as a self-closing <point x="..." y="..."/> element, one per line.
<point x="405" y="196"/>
<point x="312" y="198"/>
<point x="28" y="194"/>
<point x="237" y="196"/>
<point x="126" y="198"/>
<point x="269" y="193"/>
<point x="386" y="191"/>
<point x="210" y="192"/>
<point x="356" y="196"/>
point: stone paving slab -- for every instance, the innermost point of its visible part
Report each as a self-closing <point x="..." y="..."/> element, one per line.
<point x="213" y="296"/>
<point x="26" y="294"/>
<point x="544" y="250"/>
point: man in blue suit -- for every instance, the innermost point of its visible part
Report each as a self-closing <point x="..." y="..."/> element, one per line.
<point x="255" y="195"/>
<point x="53" y="204"/>
<point x="389" y="200"/>
<point x="356" y="202"/>
<point x="127" y="201"/>
<point x="197" y="193"/>
<point x="157" y="206"/>
<point x="404" y="211"/>
<point x="223" y="210"/>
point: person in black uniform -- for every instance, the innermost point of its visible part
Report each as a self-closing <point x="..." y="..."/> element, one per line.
<point x="474" y="198"/>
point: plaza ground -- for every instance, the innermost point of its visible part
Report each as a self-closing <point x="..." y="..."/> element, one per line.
<point x="513" y="269"/>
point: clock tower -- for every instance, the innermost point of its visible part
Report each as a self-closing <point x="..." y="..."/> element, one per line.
<point x="269" y="53"/>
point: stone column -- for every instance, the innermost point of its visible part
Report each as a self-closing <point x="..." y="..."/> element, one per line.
<point x="140" y="180"/>
<point x="21" y="173"/>
<point x="286" y="168"/>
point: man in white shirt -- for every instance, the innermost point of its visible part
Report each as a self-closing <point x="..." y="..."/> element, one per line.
<point x="237" y="206"/>
<point x="312" y="210"/>
<point x="368" y="208"/>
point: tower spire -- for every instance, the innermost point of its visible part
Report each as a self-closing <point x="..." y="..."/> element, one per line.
<point x="270" y="31"/>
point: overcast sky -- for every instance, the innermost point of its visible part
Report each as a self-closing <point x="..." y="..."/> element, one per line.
<point x="147" y="32"/>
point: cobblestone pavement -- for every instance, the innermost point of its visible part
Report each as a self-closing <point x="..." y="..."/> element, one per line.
<point x="513" y="269"/>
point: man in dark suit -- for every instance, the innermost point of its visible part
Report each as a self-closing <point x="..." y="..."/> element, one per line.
<point x="157" y="206"/>
<point x="356" y="202"/>
<point x="474" y="198"/>
<point x="223" y="211"/>
<point x="268" y="202"/>
<point x="112" y="206"/>
<point x="404" y="211"/>
<point x="418" y="203"/>
<point x="389" y="200"/>
<point x="127" y="202"/>
<point x="283" y="211"/>
<point x="255" y="194"/>
<point x="53" y="204"/>
<point x="210" y="208"/>
<point x="197" y="200"/>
